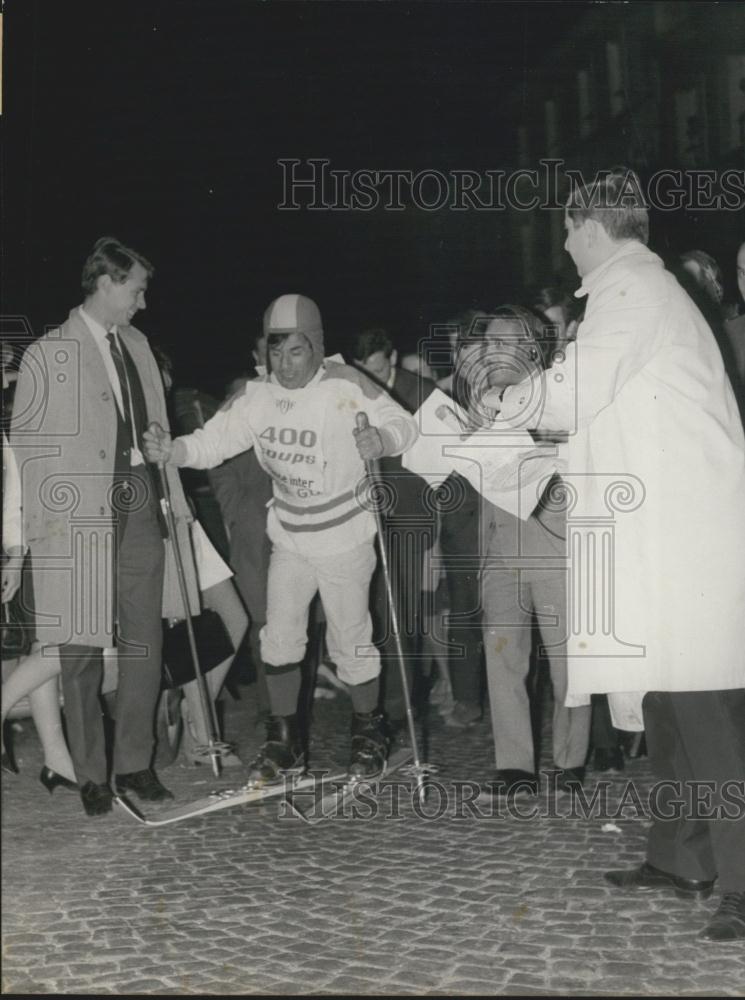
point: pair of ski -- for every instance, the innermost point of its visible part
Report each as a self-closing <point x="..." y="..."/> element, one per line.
<point x="341" y="788"/>
<point x="335" y="790"/>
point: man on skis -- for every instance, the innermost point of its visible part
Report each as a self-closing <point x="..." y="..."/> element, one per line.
<point x="300" y="417"/>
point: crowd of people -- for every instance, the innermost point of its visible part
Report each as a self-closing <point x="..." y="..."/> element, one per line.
<point x="643" y="383"/>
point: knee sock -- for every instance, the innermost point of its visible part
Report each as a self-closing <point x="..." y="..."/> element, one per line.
<point x="283" y="684"/>
<point x="365" y="696"/>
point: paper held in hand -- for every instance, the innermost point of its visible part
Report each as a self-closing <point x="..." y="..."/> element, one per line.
<point x="504" y="464"/>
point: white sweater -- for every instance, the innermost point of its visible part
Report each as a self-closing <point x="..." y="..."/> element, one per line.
<point x="304" y="439"/>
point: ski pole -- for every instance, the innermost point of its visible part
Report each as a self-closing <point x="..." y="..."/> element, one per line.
<point x="214" y="748"/>
<point x="418" y="769"/>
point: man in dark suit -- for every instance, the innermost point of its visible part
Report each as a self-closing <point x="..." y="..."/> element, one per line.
<point x="410" y="523"/>
<point x="91" y="508"/>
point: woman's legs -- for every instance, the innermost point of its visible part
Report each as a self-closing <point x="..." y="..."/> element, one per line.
<point x="36" y="676"/>
<point x="33" y="670"/>
<point x="222" y="598"/>
<point x="45" y="711"/>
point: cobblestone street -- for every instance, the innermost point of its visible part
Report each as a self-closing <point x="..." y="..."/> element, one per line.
<point x="250" y="900"/>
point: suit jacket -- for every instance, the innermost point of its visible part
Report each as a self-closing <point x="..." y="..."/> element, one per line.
<point x="64" y="434"/>
<point x="410" y="391"/>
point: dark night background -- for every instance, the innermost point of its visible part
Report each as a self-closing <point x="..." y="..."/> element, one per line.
<point x="161" y="123"/>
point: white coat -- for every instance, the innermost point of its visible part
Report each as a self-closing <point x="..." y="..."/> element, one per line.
<point x="645" y="398"/>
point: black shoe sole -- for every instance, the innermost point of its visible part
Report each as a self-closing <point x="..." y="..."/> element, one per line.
<point x="662" y="886"/>
<point x="98" y="808"/>
<point x="723" y="935"/>
<point x="97" y="812"/>
<point x="693" y="893"/>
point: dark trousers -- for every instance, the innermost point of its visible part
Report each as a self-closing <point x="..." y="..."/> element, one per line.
<point x="460" y="541"/>
<point x="603" y="735"/>
<point x="466" y="647"/>
<point x="699" y="736"/>
<point x="250" y="550"/>
<point x="405" y="552"/>
<point x="139" y="596"/>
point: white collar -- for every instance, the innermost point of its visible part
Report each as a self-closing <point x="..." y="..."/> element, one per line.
<point x="592" y="279"/>
<point x="99" y="332"/>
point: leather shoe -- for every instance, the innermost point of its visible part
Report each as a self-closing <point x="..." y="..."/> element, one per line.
<point x="608" y="760"/>
<point x="570" y="779"/>
<point x="51" y="779"/>
<point x="144" y="784"/>
<point x="7" y="763"/>
<point x="510" y="782"/>
<point x="647" y="878"/>
<point x="96" y="799"/>
<point x="728" y="923"/>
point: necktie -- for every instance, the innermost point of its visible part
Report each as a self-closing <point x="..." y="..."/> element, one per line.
<point x="121" y="371"/>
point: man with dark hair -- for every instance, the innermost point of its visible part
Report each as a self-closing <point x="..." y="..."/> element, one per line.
<point x="301" y="418"/>
<point x="86" y="393"/>
<point x="409" y="521"/>
<point x="615" y="202"/>
<point x="656" y="448"/>
<point x="706" y="272"/>
<point x="373" y="351"/>
<point x="110" y="257"/>
<point x="562" y="312"/>
<point x="524" y="578"/>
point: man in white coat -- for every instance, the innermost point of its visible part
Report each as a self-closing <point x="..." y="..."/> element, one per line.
<point x="656" y="447"/>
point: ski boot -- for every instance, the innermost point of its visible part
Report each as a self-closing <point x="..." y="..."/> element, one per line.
<point x="281" y="752"/>
<point x="369" y="745"/>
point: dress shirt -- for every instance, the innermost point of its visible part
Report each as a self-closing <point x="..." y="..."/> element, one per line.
<point x="99" y="334"/>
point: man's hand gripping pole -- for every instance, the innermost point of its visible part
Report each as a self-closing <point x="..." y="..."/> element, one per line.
<point x="214" y="749"/>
